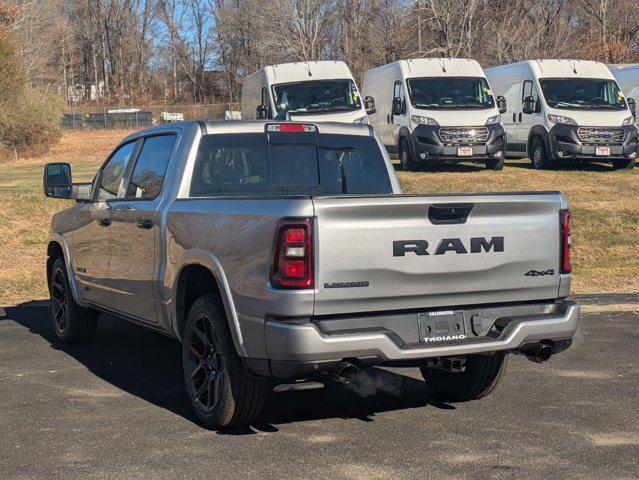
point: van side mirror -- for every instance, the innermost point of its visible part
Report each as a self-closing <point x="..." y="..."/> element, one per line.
<point x="530" y="105"/>
<point x="397" y="106"/>
<point x="57" y="180"/>
<point x="501" y="104"/>
<point x="632" y="105"/>
<point x="369" y="105"/>
<point x="262" y="112"/>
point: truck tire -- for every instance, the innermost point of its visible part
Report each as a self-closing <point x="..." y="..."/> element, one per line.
<point x="481" y="376"/>
<point x="221" y="393"/>
<point x="71" y="322"/>
<point x="624" y="164"/>
<point x="495" y="164"/>
<point x="539" y="156"/>
<point x="406" y="157"/>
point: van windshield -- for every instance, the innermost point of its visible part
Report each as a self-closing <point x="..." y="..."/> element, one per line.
<point x="317" y="96"/>
<point x="582" y="93"/>
<point x="457" y="93"/>
<point x="257" y="164"/>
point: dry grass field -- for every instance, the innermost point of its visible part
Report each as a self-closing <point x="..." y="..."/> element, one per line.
<point x="605" y="206"/>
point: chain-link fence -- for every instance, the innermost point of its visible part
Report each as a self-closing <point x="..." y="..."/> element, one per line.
<point x="132" y="118"/>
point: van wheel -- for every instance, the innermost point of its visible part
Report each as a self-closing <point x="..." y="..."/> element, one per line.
<point x="540" y="160"/>
<point x="495" y="164"/>
<point x="481" y="376"/>
<point x="71" y="322"/>
<point x="623" y="164"/>
<point x="408" y="163"/>
<point x="221" y="393"/>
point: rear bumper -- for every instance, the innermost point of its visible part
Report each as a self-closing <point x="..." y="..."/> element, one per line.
<point x="566" y="144"/>
<point x="428" y="145"/>
<point x="293" y="346"/>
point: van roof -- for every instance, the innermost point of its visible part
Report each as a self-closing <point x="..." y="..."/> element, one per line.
<point x="298" y="71"/>
<point x="564" y="68"/>
<point x="436" y="67"/>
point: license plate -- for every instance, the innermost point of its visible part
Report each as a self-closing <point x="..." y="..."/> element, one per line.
<point x="464" y="152"/>
<point x="443" y="326"/>
<point x="602" y="151"/>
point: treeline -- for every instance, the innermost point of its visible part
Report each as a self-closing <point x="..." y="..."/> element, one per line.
<point x="29" y="113"/>
<point x="144" y="51"/>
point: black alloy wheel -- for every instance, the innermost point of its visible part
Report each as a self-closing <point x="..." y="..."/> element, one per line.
<point x="205" y="362"/>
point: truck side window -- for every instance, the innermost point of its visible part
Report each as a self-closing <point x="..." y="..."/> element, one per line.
<point x="150" y="168"/>
<point x="529" y="91"/>
<point x="112" y="173"/>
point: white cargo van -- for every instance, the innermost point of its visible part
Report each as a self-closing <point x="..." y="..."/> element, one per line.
<point x="627" y="77"/>
<point x="305" y="91"/>
<point x="565" y="110"/>
<point x="431" y="110"/>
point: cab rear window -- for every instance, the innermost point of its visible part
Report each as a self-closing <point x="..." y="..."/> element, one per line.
<point x="288" y="164"/>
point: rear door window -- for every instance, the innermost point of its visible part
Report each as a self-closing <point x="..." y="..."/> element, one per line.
<point x="288" y="164"/>
<point x="150" y="167"/>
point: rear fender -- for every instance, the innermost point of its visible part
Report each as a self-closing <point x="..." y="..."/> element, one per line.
<point x="209" y="261"/>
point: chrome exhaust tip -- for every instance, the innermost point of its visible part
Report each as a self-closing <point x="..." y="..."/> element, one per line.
<point x="345" y="372"/>
<point x="538" y="353"/>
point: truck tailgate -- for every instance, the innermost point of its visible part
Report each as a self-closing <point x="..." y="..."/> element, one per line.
<point x="395" y="252"/>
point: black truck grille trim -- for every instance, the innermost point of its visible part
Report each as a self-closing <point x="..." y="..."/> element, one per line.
<point x="600" y="136"/>
<point x="464" y="135"/>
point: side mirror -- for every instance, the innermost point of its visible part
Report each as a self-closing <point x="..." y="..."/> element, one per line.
<point x="530" y="105"/>
<point x="57" y="180"/>
<point x="501" y="104"/>
<point x="397" y="106"/>
<point x="369" y="105"/>
<point x="632" y="105"/>
<point x="262" y="112"/>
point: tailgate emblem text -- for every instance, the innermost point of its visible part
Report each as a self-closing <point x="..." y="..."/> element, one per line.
<point x="420" y="247"/>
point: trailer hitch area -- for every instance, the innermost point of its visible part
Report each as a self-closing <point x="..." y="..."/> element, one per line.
<point x="447" y="364"/>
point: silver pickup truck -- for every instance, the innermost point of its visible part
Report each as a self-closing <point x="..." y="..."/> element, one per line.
<point x="277" y="251"/>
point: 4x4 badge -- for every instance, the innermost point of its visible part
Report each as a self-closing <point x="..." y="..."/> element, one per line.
<point x="537" y="273"/>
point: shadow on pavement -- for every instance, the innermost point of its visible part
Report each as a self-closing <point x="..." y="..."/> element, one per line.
<point x="148" y="365"/>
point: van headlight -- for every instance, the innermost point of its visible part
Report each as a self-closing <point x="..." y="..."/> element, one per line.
<point x="494" y="119"/>
<point x="363" y="119"/>
<point x="417" y="120"/>
<point x="561" y="120"/>
<point x="627" y="121"/>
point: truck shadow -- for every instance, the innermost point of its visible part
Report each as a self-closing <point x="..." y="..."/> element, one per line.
<point x="148" y="365"/>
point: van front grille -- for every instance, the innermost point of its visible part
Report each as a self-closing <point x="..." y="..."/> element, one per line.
<point x="600" y="136"/>
<point x="464" y="135"/>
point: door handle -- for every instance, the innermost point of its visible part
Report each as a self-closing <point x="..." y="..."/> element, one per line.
<point x="104" y="221"/>
<point x="519" y="117"/>
<point x="144" y="223"/>
<point x="514" y="117"/>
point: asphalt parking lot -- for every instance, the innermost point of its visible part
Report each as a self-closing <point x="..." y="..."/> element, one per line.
<point x="115" y="408"/>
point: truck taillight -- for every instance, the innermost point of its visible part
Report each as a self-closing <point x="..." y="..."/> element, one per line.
<point x="566" y="262"/>
<point x="292" y="266"/>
